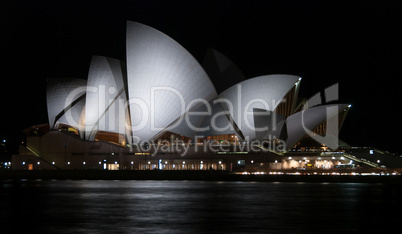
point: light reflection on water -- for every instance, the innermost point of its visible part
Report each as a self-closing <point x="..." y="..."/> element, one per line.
<point x="197" y="206"/>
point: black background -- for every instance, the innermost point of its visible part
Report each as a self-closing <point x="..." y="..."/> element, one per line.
<point x="353" y="43"/>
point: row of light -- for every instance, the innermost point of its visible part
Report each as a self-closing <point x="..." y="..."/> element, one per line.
<point x="220" y="162"/>
<point x="290" y="158"/>
<point x="315" y="173"/>
<point x="342" y="158"/>
<point x="68" y="163"/>
<point x="132" y="162"/>
<point x="184" y="162"/>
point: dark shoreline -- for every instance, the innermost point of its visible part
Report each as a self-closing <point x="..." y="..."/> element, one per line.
<point x="190" y="175"/>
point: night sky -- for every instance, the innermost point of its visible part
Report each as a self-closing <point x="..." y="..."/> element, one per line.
<point x="353" y="43"/>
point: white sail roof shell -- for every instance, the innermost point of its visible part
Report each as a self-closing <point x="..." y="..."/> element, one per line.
<point x="263" y="92"/>
<point x="65" y="102"/>
<point x="105" y="108"/>
<point x="163" y="78"/>
<point x="302" y="123"/>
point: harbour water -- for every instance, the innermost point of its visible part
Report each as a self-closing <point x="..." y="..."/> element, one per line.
<point x="135" y="206"/>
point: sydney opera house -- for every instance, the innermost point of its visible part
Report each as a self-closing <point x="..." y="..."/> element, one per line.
<point x="159" y="109"/>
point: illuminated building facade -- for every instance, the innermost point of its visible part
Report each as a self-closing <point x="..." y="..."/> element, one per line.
<point x="160" y="110"/>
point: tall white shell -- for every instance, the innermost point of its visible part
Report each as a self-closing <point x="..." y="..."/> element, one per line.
<point x="66" y="101"/>
<point x="106" y="98"/>
<point x="163" y="78"/>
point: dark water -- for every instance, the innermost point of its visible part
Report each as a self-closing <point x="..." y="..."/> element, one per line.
<point x="198" y="207"/>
